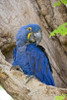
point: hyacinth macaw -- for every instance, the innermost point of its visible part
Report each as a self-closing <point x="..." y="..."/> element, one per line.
<point x="30" y="56"/>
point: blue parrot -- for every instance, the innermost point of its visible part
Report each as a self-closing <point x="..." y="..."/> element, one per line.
<point x="30" y="56"/>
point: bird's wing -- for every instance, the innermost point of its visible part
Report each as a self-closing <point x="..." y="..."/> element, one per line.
<point x="46" y="56"/>
<point x="40" y="66"/>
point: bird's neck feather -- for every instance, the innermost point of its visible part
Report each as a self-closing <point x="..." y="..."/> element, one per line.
<point x="22" y="48"/>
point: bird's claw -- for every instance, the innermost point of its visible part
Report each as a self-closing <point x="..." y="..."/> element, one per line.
<point x="29" y="78"/>
<point x="16" y="67"/>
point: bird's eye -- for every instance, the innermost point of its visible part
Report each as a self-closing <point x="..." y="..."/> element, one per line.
<point x="29" y="28"/>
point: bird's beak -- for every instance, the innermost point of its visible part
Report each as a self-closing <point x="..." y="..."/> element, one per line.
<point x="38" y="37"/>
<point x="35" y="37"/>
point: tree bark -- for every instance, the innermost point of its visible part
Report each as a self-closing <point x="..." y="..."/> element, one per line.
<point x="13" y="15"/>
<point x="14" y="82"/>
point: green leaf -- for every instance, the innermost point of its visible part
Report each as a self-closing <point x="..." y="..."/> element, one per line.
<point x="12" y="99"/>
<point x="62" y="30"/>
<point x="1" y="88"/>
<point x="62" y="97"/>
<point x="55" y="4"/>
<point x="64" y="2"/>
<point x="59" y="3"/>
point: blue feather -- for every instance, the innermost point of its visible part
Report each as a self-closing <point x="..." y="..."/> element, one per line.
<point x="31" y="58"/>
<point x="34" y="61"/>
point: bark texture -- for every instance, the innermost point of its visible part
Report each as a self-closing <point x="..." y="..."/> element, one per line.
<point x="17" y="90"/>
<point x="14" y="82"/>
<point x="13" y="15"/>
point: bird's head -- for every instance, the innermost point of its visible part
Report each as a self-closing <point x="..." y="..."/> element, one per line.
<point x="30" y="33"/>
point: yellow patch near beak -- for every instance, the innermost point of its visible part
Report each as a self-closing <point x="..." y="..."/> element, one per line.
<point x="29" y="35"/>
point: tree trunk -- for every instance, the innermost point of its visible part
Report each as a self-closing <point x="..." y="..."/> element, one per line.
<point x="13" y="15"/>
<point x="14" y="83"/>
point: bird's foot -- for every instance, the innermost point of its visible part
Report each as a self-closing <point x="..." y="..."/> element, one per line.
<point x="17" y="67"/>
<point x="29" y="78"/>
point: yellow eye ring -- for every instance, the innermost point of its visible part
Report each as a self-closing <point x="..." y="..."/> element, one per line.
<point x="29" y="29"/>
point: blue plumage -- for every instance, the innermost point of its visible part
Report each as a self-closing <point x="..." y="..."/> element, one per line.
<point x="31" y="58"/>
